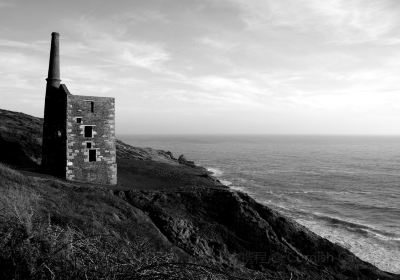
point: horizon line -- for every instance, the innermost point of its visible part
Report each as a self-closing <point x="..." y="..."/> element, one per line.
<point x="259" y="134"/>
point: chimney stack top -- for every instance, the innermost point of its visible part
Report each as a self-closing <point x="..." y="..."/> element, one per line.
<point x="53" y="78"/>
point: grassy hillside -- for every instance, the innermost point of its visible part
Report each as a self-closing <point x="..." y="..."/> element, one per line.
<point x="20" y="138"/>
<point x="50" y="228"/>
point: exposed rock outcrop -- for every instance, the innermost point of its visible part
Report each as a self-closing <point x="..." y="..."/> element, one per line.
<point x="182" y="160"/>
<point x="232" y="229"/>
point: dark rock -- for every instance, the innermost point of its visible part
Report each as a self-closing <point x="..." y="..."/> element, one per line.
<point x="231" y="228"/>
<point x="184" y="161"/>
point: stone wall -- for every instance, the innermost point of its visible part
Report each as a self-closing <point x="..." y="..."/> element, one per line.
<point x="104" y="169"/>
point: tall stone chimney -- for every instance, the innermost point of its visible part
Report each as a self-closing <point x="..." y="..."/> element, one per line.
<point x="55" y="114"/>
<point x="53" y="77"/>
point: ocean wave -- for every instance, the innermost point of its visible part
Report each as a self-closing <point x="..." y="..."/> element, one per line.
<point x="383" y="254"/>
<point x="326" y="192"/>
<point x="357" y="227"/>
<point x="279" y="206"/>
<point x="226" y="182"/>
<point x="215" y="171"/>
<point x="241" y="189"/>
<point x="218" y="173"/>
<point x="374" y="208"/>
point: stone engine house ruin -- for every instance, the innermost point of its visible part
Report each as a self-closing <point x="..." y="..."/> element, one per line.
<point x="78" y="131"/>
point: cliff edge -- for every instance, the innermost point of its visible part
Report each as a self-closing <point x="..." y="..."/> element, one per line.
<point x="166" y="219"/>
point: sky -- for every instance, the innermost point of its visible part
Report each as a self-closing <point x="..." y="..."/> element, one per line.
<point x="213" y="66"/>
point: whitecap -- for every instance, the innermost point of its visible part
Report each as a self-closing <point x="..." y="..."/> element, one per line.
<point x="215" y="171"/>
<point x="226" y="182"/>
<point x="384" y="256"/>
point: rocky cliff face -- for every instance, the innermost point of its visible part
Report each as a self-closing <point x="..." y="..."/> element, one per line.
<point x="179" y="208"/>
<point x="231" y="229"/>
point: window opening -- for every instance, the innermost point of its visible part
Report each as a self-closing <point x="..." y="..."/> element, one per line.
<point x="88" y="131"/>
<point x="92" y="155"/>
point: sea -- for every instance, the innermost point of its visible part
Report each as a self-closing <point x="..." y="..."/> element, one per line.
<point x="344" y="188"/>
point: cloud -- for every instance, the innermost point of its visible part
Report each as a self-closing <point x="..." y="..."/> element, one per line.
<point x="31" y="46"/>
<point x="19" y="70"/>
<point x="340" y="21"/>
<point x="232" y="60"/>
<point x="13" y="44"/>
<point x="219" y="44"/>
<point x="6" y="4"/>
<point x="140" y="17"/>
<point x="146" y="55"/>
<point x="22" y="81"/>
<point x="115" y="48"/>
